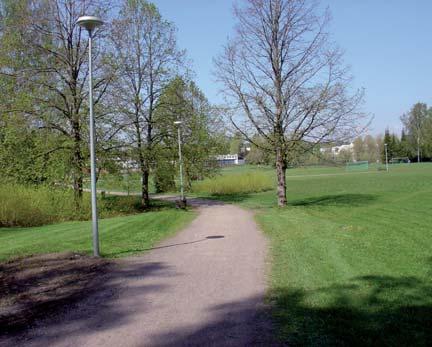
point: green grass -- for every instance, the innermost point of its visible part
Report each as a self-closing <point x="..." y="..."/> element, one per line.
<point x="235" y="183"/>
<point x="120" y="236"/>
<point x="351" y="254"/>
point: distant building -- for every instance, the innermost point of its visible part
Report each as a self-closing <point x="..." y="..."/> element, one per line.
<point x="127" y="164"/>
<point x="229" y="159"/>
<point x="337" y="149"/>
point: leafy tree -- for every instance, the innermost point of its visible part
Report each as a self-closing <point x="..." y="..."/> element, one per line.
<point x="147" y="59"/>
<point x="415" y="123"/>
<point x="236" y="143"/>
<point x="371" y="148"/>
<point x="257" y="155"/>
<point x="405" y="148"/>
<point x="359" y="149"/>
<point x="387" y="141"/>
<point x="183" y="101"/>
<point x="54" y="75"/>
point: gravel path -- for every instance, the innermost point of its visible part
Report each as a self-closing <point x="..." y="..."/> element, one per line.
<point x="203" y="287"/>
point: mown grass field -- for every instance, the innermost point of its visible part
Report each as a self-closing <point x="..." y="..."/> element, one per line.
<point x="351" y="255"/>
<point x="120" y="236"/>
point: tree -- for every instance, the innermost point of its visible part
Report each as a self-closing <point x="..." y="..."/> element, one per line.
<point x="284" y="79"/>
<point x="387" y="141"/>
<point x="404" y="145"/>
<point x="415" y="122"/>
<point x="371" y="149"/>
<point x="183" y="101"/>
<point x="55" y="74"/>
<point x="359" y="149"/>
<point x="147" y="58"/>
<point x="257" y="155"/>
<point x="236" y="143"/>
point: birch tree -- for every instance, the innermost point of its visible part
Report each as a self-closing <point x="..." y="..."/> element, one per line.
<point x="415" y="122"/>
<point x="147" y="58"/>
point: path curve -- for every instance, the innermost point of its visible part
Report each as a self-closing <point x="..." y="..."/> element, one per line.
<point x="203" y="287"/>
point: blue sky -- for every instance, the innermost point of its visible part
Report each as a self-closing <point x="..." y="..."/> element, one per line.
<point x="387" y="43"/>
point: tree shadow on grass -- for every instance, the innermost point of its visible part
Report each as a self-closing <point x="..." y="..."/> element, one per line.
<point x="366" y="311"/>
<point x="374" y="310"/>
<point x="336" y="200"/>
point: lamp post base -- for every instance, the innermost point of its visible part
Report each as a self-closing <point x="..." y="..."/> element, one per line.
<point x="181" y="203"/>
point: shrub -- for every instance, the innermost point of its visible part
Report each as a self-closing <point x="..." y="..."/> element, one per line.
<point x="164" y="177"/>
<point x="252" y="182"/>
<point x="26" y="206"/>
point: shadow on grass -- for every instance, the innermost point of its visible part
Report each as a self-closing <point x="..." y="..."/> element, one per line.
<point x="324" y="200"/>
<point x="132" y="203"/>
<point x="372" y="310"/>
<point x="336" y="200"/>
<point x="367" y="311"/>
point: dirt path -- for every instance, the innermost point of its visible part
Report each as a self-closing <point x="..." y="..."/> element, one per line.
<point x="203" y="287"/>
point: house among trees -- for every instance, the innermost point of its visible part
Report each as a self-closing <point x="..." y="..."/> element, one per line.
<point x="229" y="159"/>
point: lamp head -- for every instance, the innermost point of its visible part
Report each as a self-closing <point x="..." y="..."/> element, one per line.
<point x="89" y="22"/>
<point x="178" y="122"/>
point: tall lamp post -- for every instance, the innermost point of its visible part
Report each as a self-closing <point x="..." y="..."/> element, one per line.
<point x="90" y="23"/>
<point x="386" y="156"/>
<point x="182" y="197"/>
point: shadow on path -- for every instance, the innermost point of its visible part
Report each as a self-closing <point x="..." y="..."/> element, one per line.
<point x="69" y="298"/>
<point x="239" y="323"/>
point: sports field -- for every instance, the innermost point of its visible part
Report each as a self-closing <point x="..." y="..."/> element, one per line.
<point x="351" y="255"/>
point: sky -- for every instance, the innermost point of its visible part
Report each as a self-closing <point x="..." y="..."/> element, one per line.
<point x="387" y="44"/>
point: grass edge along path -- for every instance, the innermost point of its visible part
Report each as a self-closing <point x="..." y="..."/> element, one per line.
<point x="351" y="256"/>
<point x="119" y="236"/>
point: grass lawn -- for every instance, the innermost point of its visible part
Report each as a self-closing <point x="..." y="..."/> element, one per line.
<point x="120" y="236"/>
<point x="351" y="255"/>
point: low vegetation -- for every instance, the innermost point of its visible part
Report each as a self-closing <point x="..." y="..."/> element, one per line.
<point x="351" y="255"/>
<point x="119" y="236"/>
<point x="237" y="183"/>
<point x="25" y="206"/>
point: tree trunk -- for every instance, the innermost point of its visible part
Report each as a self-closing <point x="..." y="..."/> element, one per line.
<point x="145" y="201"/>
<point x="418" y="149"/>
<point x="77" y="167"/>
<point x="281" y="178"/>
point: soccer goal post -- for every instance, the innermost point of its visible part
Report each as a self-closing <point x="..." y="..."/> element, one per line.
<point x="357" y="166"/>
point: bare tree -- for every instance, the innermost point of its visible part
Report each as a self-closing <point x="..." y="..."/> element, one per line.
<point x="147" y="57"/>
<point x="285" y="80"/>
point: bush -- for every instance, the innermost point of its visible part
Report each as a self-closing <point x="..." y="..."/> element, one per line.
<point x="26" y="206"/>
<point x="164" y="177"/>
<point x="253" y="182"/>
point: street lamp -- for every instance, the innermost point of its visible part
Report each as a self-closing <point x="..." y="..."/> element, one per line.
<point x="385" y="146"/>
<point x="182" y="197"/>
<point x="90" y="23"/>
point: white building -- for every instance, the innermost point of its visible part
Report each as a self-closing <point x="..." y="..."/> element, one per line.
<point x="337" y="149"/>
<point x="229" y="159"/>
